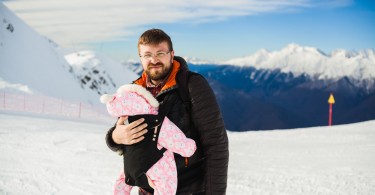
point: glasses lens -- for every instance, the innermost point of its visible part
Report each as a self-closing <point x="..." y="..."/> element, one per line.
<point x="158" y="55"/>
<point x="147" y="56"/>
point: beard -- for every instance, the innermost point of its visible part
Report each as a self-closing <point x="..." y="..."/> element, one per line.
<point x="159" y="74"/>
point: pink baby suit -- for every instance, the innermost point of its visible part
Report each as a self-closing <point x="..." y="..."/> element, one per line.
<point x="132" y="100"/>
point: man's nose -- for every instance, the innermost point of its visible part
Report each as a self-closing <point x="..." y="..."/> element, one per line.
<point x="154" y="59"/>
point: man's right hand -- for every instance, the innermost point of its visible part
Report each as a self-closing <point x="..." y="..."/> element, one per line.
<point x="129" y="134"/>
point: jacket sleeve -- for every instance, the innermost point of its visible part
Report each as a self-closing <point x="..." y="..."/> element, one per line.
<point x="208" y="121"/>
<point x="110" y="143"/>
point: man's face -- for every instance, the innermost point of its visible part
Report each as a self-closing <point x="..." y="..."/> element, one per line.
<point x="156" y="60"/>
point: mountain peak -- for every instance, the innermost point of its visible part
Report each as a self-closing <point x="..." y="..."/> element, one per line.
<point x="293" y="47"/>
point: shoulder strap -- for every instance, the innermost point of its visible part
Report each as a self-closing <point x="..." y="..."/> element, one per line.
<point x="183" y="88"/>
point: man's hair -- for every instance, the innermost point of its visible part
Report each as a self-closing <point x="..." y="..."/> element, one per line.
<point x="154" y="37"/>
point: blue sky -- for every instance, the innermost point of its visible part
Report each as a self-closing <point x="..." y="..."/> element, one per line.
<point x="215" y="30"/>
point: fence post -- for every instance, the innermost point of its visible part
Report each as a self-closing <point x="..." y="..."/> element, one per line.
<point x="61" y="106"/>
<point x="4" y="100"/>
<point x="80" y="108"/>
<point x="24" y="102"/>
<point x="43" y="103"/>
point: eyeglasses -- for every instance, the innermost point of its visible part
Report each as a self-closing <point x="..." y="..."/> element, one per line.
<point x="158" y="55"/>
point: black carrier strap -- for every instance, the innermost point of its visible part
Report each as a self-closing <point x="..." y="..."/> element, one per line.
<point x="139" y="157"/>
<point x="183" y="81"/>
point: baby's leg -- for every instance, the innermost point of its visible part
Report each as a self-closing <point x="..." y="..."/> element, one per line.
<point x="164" y="175"/>
<point x="121" y="188"/>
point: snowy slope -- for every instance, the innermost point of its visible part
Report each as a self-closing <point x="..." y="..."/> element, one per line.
<point x="33" y="61"/>
<point x="49" y="156"/>
<point x="26" y="58"/>
<point x="299" y="60"/>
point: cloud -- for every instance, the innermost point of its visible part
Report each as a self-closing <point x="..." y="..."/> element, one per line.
<point x="71" y="22"/>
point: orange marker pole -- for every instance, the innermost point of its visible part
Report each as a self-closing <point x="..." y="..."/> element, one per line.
<point x="331" y="101"/>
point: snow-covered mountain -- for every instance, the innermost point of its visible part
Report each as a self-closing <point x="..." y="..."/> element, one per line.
<point x="34" y="64"/>
<point x="98" y="73"/>
<point x="300" y="60"/>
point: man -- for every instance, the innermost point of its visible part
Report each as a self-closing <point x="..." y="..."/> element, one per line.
<point x="200" y="119"/>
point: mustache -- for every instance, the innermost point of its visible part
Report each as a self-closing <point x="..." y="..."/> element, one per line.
<point x="157" y="64"/>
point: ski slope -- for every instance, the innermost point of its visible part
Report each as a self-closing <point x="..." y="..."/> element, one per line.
<point x="60" y="156"/>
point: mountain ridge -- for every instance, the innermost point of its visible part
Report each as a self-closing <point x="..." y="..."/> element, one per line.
<point x="312" y="61"/>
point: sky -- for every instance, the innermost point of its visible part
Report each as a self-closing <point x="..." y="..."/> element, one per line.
<point x="208" y="30"/>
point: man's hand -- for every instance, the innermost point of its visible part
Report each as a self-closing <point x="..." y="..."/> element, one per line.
<point x="129" y="134"/>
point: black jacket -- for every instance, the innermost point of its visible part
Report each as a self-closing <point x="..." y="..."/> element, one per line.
<point x="207" y="169"/>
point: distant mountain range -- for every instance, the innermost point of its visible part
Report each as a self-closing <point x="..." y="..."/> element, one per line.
<point x="267" y="90"/>
<point x="290" y="88"/>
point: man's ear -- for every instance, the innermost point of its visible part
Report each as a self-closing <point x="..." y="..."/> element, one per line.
<point x="172" y="54"/>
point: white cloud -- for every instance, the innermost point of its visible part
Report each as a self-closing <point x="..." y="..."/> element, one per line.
<point x="75" y="22"/>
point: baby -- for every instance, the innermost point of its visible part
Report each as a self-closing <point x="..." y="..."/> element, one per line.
<point x="149" y="163"/>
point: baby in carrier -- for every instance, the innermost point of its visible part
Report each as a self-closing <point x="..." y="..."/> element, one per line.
<point x="150" y="163"/>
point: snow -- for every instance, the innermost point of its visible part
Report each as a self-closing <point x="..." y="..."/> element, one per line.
<point x="49" y="156"/>
<point x="105" y="72"/>
<point x="33" y="63"/>
<point x="299" y="60"/>
<point x="42" y="155"/>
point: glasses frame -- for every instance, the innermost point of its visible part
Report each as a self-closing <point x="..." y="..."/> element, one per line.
<point x="158" y="55"/>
